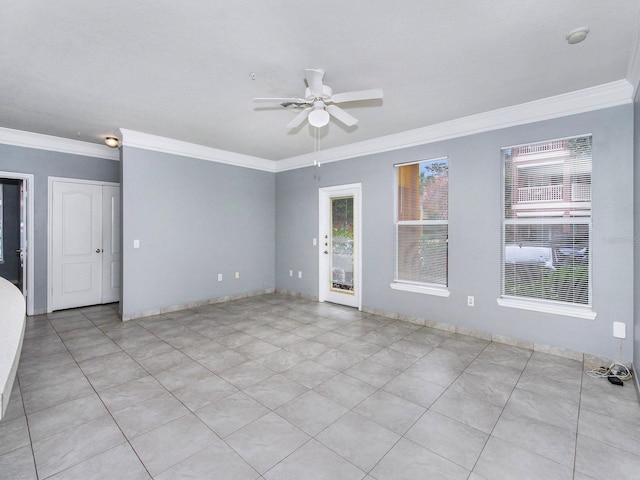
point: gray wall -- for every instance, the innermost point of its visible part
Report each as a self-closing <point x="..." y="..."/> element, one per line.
<point x="474" y="232"/>
<point x="44" y="164"/>
<point x="194" y="219"/>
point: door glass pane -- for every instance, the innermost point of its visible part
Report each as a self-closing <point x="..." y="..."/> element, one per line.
<point x="342" y="244"/>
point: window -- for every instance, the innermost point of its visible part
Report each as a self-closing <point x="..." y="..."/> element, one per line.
<point x="422" y="225"/>
<point x="546" y="236"/>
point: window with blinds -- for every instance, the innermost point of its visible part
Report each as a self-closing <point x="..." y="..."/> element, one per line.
<point x="422" y="223"/>
<point x="546" y="237"/>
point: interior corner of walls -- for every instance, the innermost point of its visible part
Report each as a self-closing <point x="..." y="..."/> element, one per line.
<point x="633" y="68"/>
<point x="637" y="380"/>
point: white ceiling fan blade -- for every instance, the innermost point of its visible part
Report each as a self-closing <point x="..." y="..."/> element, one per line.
<point x="314" y="80"/>
<point x="298" y="119"/>
<point x="341" y="115"/>
<point x="372" y="94"/>
<point x="279" y="100"/>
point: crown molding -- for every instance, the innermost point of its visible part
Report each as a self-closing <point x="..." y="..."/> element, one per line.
<point x="20" y="138"/>
<point x="580" y="101"/>
<point x="603" y="96"/>
<point x="146" y="141"/>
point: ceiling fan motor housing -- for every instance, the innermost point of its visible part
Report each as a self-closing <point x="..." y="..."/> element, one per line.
<point x="327" y="92"/>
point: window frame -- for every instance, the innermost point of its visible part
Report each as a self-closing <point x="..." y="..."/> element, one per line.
<point x="541" y="304"/>
<point x="409" y="285"/>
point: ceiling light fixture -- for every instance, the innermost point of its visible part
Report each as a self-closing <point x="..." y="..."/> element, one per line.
<point x="112" y="142"/>
<point x="319" y="117"/>
<point x="577" y="35"/>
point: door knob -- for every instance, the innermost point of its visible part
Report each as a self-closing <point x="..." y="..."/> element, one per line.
<point x="98" y="250"/>
<point x="326" y="252"/>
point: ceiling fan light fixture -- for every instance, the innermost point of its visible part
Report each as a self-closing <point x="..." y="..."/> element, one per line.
<point x="318" y="103"/>
<point x="578" y="35"/>
<point x="112" y="142"/>
<point x="318" y="118"/>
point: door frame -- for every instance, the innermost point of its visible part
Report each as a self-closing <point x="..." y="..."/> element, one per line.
<point x="324" y="215"/>
<point x="50" y="227"/>
<point x="28" y="197"/>
<point x="113" y="294"/>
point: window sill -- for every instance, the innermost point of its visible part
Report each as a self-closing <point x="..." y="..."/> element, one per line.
<point x="542" y="307"/>
<point x="426" y="290"/>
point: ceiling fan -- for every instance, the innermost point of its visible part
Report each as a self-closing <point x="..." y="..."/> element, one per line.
<point x="319" y="102"/>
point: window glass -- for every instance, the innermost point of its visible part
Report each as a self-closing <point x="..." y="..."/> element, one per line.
<point x="546" y="238"/>
<point x="422" y="222"/>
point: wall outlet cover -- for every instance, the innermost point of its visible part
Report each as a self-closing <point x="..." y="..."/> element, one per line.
<point x="619" y="330"/>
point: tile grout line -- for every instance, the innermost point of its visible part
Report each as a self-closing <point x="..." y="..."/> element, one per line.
<point x="26" y="419"/>
<point x="575" y="449"/>
<point x="425" y="412"/>
<point x="502" y="411"/>
<point x="195" y="414"/>
<point x="328" y="315"/>
<point x="101" y="401"/>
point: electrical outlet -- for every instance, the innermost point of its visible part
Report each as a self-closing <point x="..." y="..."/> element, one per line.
<point x="291" y="273"/>
<point x="299" y="274"/>
<point x="471" y="301"/>
<point x="237" y="274"/>
<point x="219" y="277"/>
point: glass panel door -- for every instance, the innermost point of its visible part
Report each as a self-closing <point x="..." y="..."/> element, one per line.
<point x="342" y="278"/>
<point x="340" y="262"/>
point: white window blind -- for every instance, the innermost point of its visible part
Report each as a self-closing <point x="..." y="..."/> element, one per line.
<point x="422" y="223"/>
<point x="546" y="238"/>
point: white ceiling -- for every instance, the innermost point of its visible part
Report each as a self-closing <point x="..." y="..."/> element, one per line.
<point x="182" y="69"/>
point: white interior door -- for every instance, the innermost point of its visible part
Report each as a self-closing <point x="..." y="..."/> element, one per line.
<point x="76" y="245"/>
<point x="111" y="255"/>
<point x="340" y="245"/>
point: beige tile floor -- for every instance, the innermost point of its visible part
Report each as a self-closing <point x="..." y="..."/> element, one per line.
<point x="277" y="387"/>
